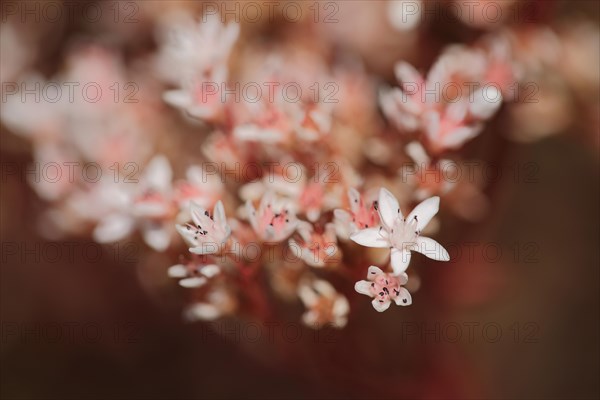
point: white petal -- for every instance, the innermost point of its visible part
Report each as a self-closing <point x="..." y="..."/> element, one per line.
<point x="400" y="260"/>
<point x="457" y="111"/>
<point x="177" y="271"/>
<point x="158" y="173"/>
<point x="431" y="249"/>
<point x="404" y="298"/>
<point x="219" y="215"/>
<point x="403" y="278"/>
<point x="363" y="287"/>
<point x="307" y="295"/>
<point x="424" y="211"/>
<point x="157" y="237"/>
<point x="340" y="307"/>
<point x="486" y="101"/>
<point x="305" y="230"/>
<point x="310" y="319"/>
<point x="178" y="98"/>
<point x="373" y="272"/>
<point x="389" y="209"/>
<point x="406" y="73"/>
<point x="339" y="322"/>
<point x="202" y="311"/>
<point x="460" y="135"/>
<point x="205" y="248"/>
<point x="431" y="120"/>
<point x="210" y="270"/>
<point x="193" y="282"/>
<point x="342" y="221"/>
<point x="186" y="234"/>
<point x="324" y="288"/>
<point x="313" y="214"/>
<point x="371" y="237"/>
<point x="381" y="305"/>
<point x="354" y="198"/>
<point x="198" y="214"/>
<point x="251" y="211"/>
<point x="113" y="228"/>
<point x="416" y="151"/>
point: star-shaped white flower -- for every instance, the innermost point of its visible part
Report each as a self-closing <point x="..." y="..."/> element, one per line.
<point x="208" y="233"/>
<point x="384" y="288"/>
<point x="400" y="234"/>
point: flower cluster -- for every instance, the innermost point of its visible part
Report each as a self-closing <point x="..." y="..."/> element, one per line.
<point x="281" y="168"/>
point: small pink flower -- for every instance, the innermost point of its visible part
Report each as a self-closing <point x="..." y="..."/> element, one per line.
<point x="269" y="123"/>
<point x="153" y="206"/>
<point x="450" y="128"/>
<point x="201" y="97"/>
<point x="274" y="221"/>
<point x="200" y="187"/>
<point x="362" y="215"/>
<point x="427" y="175"/>
<point x="325" y="305"/>
<point x="313" y="121"/>
<point x="192" y="274"/>
<point x="180" y="37"/>
<point x="384" y="288"/>
<point x="217" y="302"/>
<point x="155" y="190"/>
<point x="208" y="233"/>
<point x="405" y="106"/>
<point x="316" y="248"/>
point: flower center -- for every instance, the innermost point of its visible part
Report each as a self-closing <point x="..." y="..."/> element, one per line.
<point x="404" y="233"/>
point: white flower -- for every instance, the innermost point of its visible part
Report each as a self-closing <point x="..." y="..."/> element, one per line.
<point x="209" y="232"/>
<point x="274" y="221"/>
<point x="192" y="275"/>
<point x="362" y="214"/>
<point x="325" y="306"/>
<point x="218" y="302"/>
<point x="384" y="288"/>
<point x="317" y="249"/>
<point x="402" y="234"/>
<point x="188" y="46"/>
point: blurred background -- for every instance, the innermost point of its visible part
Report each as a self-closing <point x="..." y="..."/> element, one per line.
<point x="513" y="315"/>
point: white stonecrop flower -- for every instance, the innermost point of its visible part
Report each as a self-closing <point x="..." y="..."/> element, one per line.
<point x="400" y="234"/>
<point x="208" y="233"/>
<point x="193" y="277"/>
<point x="274" y="221"/>
<point x="325" y="306"/>
<point x="384" y="289"/>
